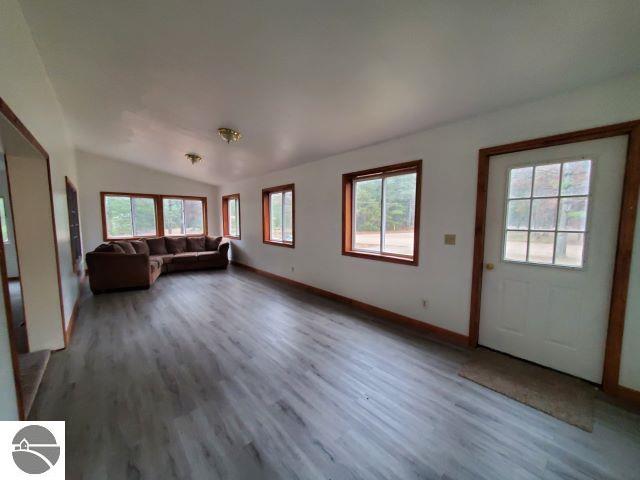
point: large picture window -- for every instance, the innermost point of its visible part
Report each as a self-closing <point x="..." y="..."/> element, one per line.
<point x="133" y="215"/>
<point x="129" y="216"/>
<point x="183" y="216"/>
<point x="231" y="216"/>
<point x="278" y="215"/>
<point x="381" y="213"/>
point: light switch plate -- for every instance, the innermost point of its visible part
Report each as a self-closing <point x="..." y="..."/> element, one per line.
<point x="449" y="239"/>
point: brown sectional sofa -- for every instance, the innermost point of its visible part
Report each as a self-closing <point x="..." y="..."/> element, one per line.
<point x="120" y="265"/>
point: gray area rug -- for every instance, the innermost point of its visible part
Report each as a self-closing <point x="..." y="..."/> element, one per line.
<point x="564" y="397"/>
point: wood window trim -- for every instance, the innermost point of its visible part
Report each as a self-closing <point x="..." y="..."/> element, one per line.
<point x="347" y="209"/>
<point x="624" y="250"/>
<point x="225" y="216"/>
<point x="266" y="216"/>
<point x="158" y="203"/>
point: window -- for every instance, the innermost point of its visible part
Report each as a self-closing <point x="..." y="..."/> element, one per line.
<point x="183" y="216"/>
<point x="381" y="213"/>
<point x="278" y="215"/>
<point x="546" y="213"/>
<point x="132" y="215"/>
<point x="129" y="216"/>
<point x="231" y="216"/>
<point x="3" y="221"/>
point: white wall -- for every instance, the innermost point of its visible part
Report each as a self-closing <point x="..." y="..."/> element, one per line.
<point x="99" y="174"/>
<point x="36" y="245"/>
<point x="25" y="87"/>
<point x="449" y="153"/>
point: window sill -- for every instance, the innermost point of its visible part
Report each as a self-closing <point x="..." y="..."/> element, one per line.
<point x="177" y="235"/>
<point x="126" y="239"/>
<point x="232" y="237"/>
<point x="279" y="244"/>
<point x="138" y="237"/>
<point x="382" y="258"/>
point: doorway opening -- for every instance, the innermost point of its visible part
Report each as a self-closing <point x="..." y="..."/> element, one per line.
<point x="29" y="269"/>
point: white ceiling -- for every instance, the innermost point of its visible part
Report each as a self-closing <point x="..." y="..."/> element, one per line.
<point x="147" y="80"/>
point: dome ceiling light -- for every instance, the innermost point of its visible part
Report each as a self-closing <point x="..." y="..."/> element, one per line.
<point x="229" y="135"/>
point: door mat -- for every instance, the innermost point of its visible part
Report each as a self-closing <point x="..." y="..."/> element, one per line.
<point x="562" y="396"/>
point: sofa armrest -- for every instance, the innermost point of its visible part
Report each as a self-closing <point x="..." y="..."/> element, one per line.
<point x="108" y="271"/>
<point x="223" y="248"/>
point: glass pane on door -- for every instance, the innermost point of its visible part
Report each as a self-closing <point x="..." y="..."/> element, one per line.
<point x="546" y="213"/>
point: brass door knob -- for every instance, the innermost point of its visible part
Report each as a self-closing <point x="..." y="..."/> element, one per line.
<point x="490" y="266"/>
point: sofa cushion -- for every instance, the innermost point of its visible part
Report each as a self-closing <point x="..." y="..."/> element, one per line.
<point x="109" y="248"/>
<point x="185" y="257"/>
<point x="195" y="244"/>
<point x="154" y="272"/>
<point x="140" y="246"/>
<point x="163" y="259"/>
<point x="212" y="244"/>
<point x="157" y="246"/>
<point x="176" y="244"/>
<point x="155" y="262"/>
<point x="126" y="247"/>
<point x="206" y="256"/>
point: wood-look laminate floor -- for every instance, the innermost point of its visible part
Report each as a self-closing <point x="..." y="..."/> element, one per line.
<point x="229" y="375"/>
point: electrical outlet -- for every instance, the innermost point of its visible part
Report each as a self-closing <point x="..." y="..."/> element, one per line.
<point x="425" y="303"/>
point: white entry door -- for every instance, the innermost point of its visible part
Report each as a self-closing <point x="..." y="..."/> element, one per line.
<point x="551" y="233"/>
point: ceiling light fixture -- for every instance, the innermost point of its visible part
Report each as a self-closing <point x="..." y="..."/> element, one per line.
<point x="193" y="157"/>
<point x="229" y="135"/>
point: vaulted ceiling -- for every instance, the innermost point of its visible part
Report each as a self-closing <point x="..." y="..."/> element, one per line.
<point x="147" y="80"/>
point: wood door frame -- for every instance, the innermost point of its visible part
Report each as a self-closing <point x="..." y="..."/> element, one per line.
<point x="13" y="119"/>
<point x="626" y="230"/>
